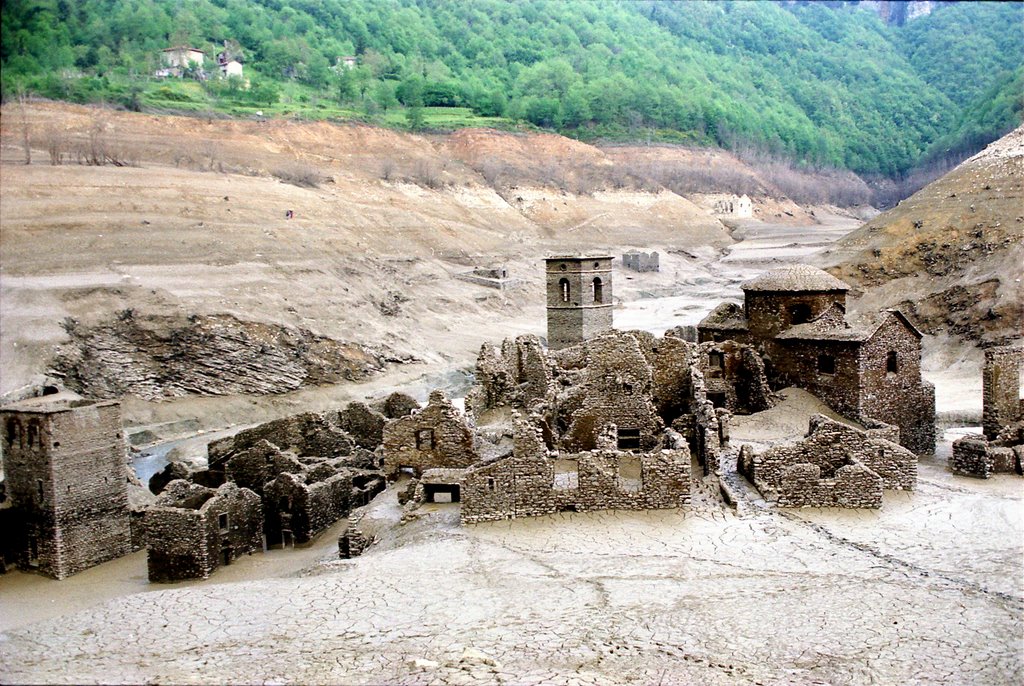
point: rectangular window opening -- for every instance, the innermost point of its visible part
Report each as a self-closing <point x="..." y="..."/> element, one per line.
<point x="630" y="474"/>
<point x="629" y="438"/>
<point x="567" y="475"/>
<point x="222" y="521"/>
<point x="424" y="439"/>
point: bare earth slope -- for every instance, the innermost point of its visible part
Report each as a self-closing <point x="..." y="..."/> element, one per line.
<point x="194" y="229"/>
<point x="951" y="254"/>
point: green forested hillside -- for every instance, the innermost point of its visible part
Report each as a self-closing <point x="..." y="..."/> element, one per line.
<point x="821" y="83"/>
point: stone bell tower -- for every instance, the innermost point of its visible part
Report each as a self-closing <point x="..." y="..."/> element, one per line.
<point x="579" y="299"/>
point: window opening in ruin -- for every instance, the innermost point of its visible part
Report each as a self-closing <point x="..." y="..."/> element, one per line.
<point x="598" y="290"/>
<point x="69" y="489"/>
<point x="563" y="288"/>
<point x="891" y="365"/>
<point x="630" y="474"/>
<point x="799" y="313"/>
<point x="222" y="521"/>
<point x="13" y="431"/>
<point x="629" y="439"/>
<point x="284" y="504"/>
<point x="39" y="488"/>
<point x="33" y="434"/>
<point x="406" y="469"/>
<point x="562" y="267"/>
<point x="597" y="265"/>
<point x="826" y="364"/>
<point x="441" y="493"/>
<point x="424" y="439"/>
<point x="717" y="398"/>
<point x="56" y="444"/>
<point x="567" y="475"/>
<point x="715" y="360"/>
<point x="50" y="390"/>
<point x="490" y="484"/>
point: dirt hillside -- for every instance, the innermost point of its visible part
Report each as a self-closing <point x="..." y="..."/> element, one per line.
<point x="951" y="254"/>
<point x="192" y="229"/>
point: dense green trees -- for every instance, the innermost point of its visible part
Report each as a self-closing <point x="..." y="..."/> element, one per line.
<point x="822" y="83"/>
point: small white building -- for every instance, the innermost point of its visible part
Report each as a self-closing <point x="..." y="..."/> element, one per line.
<point x="176" y="60"/>
<point x="231" y="68"/>
<point x="181" y="57"/>
<point x="347" y="61"/>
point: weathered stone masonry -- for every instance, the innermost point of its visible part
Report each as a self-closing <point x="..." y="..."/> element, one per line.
<point x="192" y="530"/>
<point x="836" y="465"/>
<point x="64" y="468"/>
<point x="533" y="481"/>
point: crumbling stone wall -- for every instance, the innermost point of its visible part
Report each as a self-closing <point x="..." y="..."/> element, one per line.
<point x="834" y="450"/>
<point x="399" y="405"/>
<point x="853" y="485"/>
<point x="975" y="456"/>
<point x="307" y="434"/>
<point x="532" y="482"/>
<point x="301" y="506"/>
<point x="64" y="464"/>
<point x="364" y="425"/>
<point x="1000" y="383"/>
<point x="616" y="389"/>
<point x="353" y="541"/>
<point x="192" y="530"/>
<point x="436" y="436"/>
<point x="734" y="376"/>
<point x="515" y="376"/>
<point x="253" y="467"/>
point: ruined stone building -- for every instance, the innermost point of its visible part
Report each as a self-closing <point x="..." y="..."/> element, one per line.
<point x="300" y="506"/>
<point x="192" y="530"/>
<point x="865" y="368"/>
<point x="436" y="436"/>
<point x="835" y="465"/>
<point x="727" y="205"/>
<point x="637" y="261"/>
<point x="307" y="471"/>
<point x="534" y="481"/>
<point x="1000" y="448"/>
<point x="579" y="299"/>
<point x="66" y="485"/>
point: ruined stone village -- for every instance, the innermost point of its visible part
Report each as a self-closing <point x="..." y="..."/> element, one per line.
<point x="592" y="419"/>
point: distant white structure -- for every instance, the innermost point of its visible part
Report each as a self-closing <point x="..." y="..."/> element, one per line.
<point x="230" y="68"/>
<point x="177" y="59"/>
<point x="347" y="61"/>
<point x="734" y="206"/>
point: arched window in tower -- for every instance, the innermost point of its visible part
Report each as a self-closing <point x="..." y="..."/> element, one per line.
<point x="598" y="290"/>
<point x="563" y="288"/>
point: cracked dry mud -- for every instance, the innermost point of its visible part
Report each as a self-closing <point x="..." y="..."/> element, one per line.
<point x="926" y="590"/>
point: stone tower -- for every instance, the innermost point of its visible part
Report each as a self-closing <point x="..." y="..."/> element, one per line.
<point x="64" y="468"/>
<point x="579" y="299"/>
<point x="1000" y="384"/>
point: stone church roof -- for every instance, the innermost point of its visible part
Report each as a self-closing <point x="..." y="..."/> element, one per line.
<point x="797" y="277"/>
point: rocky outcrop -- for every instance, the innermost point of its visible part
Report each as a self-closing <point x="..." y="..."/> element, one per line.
<point x="155" y="357"/>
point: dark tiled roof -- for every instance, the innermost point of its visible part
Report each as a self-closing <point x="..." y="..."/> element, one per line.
<point x="797" y="277"/>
